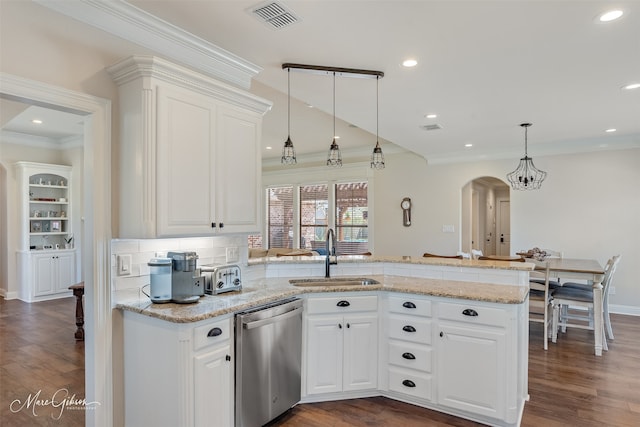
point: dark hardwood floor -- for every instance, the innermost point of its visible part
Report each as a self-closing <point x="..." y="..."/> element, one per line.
<point x="568" y="384"/>
<point x="40" y="359"/>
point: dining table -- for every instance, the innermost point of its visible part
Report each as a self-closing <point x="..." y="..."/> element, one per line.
<point x="581" y="269"/>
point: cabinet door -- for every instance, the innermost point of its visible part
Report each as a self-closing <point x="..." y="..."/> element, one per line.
<point x="185" y="154"/>
<point x="213" y="392"/>
<point x="471" y="369"/>
<point x="238" y="169"/>
<point x="324" y="354"/>
<point x="44" y="274"/>
<point x="66" y="271"/>
<point x="360" y="370"/>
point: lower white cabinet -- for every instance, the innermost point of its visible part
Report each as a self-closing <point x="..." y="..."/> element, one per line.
<point x="341" y="344"/>
<point x="46" y="274"/>
<point x="178" y="374"/>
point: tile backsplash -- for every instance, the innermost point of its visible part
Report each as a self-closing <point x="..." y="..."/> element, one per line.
<point x="210" y="250"/>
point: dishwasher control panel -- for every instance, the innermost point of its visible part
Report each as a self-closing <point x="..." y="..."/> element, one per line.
<point x="223" y="278"/>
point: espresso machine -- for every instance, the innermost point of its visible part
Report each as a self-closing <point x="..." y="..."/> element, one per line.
<point x="187" y="282"/>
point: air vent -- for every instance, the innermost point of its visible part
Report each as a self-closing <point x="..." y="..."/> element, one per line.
<point x="431" y="127"/>
<point x="274" y="14"/>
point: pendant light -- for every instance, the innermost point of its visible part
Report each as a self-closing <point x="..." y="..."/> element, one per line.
<point x="335" y="157"/>
<point x="288" y="152"/>
<point x="377" y="158"/>
<point x="526" y="176"/>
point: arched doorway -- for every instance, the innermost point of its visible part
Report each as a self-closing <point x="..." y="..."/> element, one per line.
<point x="485" y="216"/>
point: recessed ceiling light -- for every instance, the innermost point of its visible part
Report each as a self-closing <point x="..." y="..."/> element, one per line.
<point x="611" y="15"/>
<point x="631" y="86"/>
<point x="431" y="116"/>
<point x="36" y="121"/>
<point x="268" y="148"/>
<point x="468" y="145"/>
<point x="409" y="63"/>
<point x="610" y="130"/>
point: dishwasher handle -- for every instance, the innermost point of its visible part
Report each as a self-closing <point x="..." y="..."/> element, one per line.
<point x="269" y="320"/>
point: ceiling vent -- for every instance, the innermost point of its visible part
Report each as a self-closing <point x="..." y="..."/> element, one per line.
<point x="274" y="14"/>
<point x="431" y="127"/>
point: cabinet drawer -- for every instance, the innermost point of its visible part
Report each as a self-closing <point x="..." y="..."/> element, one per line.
<point x="342" y="304"/>
<point x="408" y="355"/>
<point x="410" y="328"/>
<point x="211" y="334"/>
<point x="410" y="305"/>
<point x="471" y="313"/>
<point x="409" y="382"/>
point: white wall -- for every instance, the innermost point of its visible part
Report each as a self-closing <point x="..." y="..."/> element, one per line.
<point x="588" y="208"/>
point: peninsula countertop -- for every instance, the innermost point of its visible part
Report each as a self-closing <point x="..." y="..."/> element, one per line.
<point x="262" y="291"/>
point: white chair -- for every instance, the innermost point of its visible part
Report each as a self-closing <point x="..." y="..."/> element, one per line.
<point x="552" y="283"/>
<point x="565" y="298"/>
<point x="476" y="253"/>
<point x="540" y="303"/>
<point x="464" y="255"/>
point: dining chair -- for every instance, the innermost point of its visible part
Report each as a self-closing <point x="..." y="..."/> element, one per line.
<point x="499" y="258"/>
<point x="549" y="253"/>
<point x="428" y="255"/>
<point x="540" y="304"/>
<point x="566" y="298"/>
<point x="476" y="253"/>
<point x="464" y="255"/>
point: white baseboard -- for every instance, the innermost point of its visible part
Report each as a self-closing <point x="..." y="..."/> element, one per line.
<point x="8" y="295"/>
<point x="629" y="310"/>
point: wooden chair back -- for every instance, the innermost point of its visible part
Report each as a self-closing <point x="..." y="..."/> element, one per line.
<point x="428" y="255"/>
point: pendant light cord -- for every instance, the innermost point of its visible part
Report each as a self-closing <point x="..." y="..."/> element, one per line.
<point x="334" y="106"/>
<point x="289" y="102"/>
<point x="377" y="110"/>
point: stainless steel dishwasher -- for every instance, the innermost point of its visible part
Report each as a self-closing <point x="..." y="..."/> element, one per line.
<point x="268" y="361"/>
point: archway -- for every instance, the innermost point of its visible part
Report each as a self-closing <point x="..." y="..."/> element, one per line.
<point x="485" y="216"/>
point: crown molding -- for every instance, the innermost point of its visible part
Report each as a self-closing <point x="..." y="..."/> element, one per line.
<point x="137" y="26"/>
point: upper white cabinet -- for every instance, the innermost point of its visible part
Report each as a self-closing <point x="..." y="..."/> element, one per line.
<point x="189" y="152"/>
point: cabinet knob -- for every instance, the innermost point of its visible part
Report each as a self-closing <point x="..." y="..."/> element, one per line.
<point x="227" y="358"/>
<point x="408" y="328"/>
<point x="343" y="303"/>
<point x="339" y="326"/>
<point x="408" y="383"/>
<point x="409" y="304"/>
<point x="222" y="225"/>
<point x="214" y="332"/>
<point x="469" y="312"/>
<point x="408" y="356"/>
<point x="348" y="325"/>
<point x="441" y="334"/>
<point x="213" y="225"/>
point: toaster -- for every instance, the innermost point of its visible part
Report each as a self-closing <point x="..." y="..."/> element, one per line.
<point x="222" y="278"/>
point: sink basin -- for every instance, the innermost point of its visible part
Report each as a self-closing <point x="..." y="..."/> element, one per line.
<point x="338" y="281"/>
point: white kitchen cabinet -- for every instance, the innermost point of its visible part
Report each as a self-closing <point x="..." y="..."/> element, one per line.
<point x="409" y="346"/>
<point x="342" y="344"/>
<point x="190" y="152"/>
<point x="178" y="374"/>
<point x="478" y="352"/>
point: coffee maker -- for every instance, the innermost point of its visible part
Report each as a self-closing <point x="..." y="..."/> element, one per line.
<point x="187" y="283"/>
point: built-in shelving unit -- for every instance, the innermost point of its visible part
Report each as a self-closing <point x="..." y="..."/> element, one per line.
<point x="46" y="254"/>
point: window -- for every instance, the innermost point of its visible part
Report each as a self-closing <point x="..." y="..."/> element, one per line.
<point x="352" y="214"/>
<point x="298" y="216"/>
<point x="314" y="215"/>
<point x="280" y="217"/>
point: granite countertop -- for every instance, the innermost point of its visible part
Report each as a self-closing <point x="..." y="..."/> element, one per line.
<point x="450" y="262"/>
<point x="263" y="291"/>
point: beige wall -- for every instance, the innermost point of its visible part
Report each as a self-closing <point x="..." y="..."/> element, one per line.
<point x="588" y="208"/>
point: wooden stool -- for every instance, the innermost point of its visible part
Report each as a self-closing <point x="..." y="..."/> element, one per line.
<point x="78" y="292"/>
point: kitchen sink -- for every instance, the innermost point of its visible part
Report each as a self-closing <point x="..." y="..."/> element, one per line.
<point x="337" y="281"/>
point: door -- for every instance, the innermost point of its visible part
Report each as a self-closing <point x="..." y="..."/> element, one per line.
<point x="213" y="388"/>
<point x="471" y="370"/>
<point x="360" y="353"/>
<point x="503" y="223"/>
<point x="324" y="354"/>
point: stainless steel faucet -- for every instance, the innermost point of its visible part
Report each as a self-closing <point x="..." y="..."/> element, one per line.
<point x="327" y="260"/>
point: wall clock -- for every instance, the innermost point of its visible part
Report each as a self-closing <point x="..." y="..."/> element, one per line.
<point x="406" y="211"/>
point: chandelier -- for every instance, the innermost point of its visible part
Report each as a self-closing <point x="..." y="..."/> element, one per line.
<point x="526" y="176"/>
<point x="334" y="156"/>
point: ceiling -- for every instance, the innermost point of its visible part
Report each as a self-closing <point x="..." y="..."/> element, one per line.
<point x="483" y="68"/>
